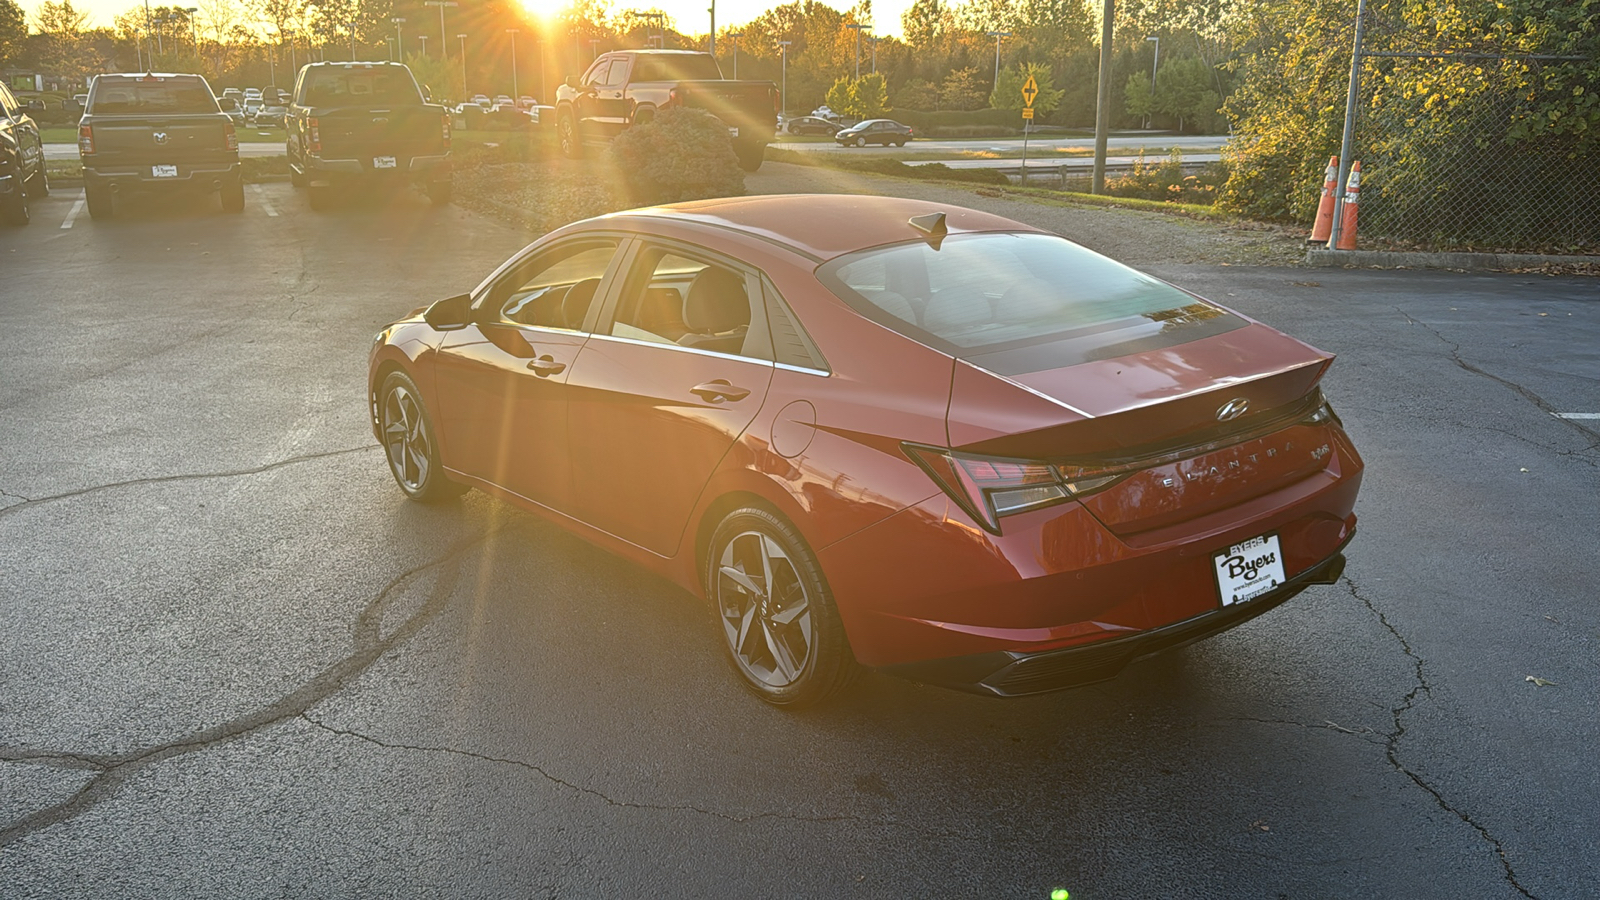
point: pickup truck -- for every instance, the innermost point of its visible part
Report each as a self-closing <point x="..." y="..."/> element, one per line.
<point x="626" y="87"/>
<point x="156" y="133"/>
<point x="22" y="176"/>
<point x="365" y="122"/>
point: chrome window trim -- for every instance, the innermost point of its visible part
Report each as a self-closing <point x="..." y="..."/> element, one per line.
<point x="717" y="354"/>
<point x="803" y="370"/>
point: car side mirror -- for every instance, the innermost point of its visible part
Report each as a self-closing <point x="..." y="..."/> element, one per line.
<point x="450" y="313"/>
<point x="571" y="81"/>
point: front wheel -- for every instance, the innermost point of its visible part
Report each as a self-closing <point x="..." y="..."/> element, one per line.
<point x="233" y="197"/>
<point x="861" y="142"/>
<point x="409" y="443"/>
<point x="567" y="132"/>
<point x="773" y="608"/>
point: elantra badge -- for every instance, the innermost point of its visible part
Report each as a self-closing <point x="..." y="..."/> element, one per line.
<point x="1233" y="409"/>
<point x="160" y="136"/>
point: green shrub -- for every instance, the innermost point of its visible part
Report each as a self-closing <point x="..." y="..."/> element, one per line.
<point x="681" y="154"/>
<point x="1166" y="180"/>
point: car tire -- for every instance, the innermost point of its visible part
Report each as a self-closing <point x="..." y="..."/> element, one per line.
<point x="98" y="199"/>
<point x="14" y="208"/>
<point x="39" y="184"/>
<point x="900" y="143"/>
<point x="318" y="196"/>
<point x="750" y="155"/>
<point x="439" y="193"/>
<point x="861" y="142"/>
<point x="233" y="196"/>
<point x="410" y="445"/>
<point x="567" y="133"/>
<point x="771" y="605"/>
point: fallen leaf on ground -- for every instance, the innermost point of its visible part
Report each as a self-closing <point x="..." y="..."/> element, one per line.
<point x="1540" y="682"/>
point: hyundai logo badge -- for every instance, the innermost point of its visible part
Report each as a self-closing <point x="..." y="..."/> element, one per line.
<point x="160" y="136"/>
<point x="1233" y="409"/>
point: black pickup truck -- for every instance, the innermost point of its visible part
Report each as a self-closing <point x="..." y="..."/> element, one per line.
<point x="626" y="87"/>
<point x="22" y="175"/>
<point x="156" y="134"/>
<point x="365" y="122"/>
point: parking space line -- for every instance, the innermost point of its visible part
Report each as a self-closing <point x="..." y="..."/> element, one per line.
<point x="1577" y="415"/>
<point x="262" y="201"/>
<point x="77" y="207"/>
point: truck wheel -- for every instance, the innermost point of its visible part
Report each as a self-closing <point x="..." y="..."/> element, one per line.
<point x="750" y="155"/>
<point x="14" y="208"/>
<point x="567" y="130"/>
<point x="99" y="200"/>
<point x="439" y="193"/>
<point x="233" y="196"/>
<point x="318" y="195"/>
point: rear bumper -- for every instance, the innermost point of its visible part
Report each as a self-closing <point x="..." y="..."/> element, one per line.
<point x="321" y="170"/>
<point x="138" y="178"/>
<point x="1021" y="674"/>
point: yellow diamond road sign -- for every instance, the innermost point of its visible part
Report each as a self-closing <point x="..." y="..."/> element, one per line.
<point x="1030" y="91"/>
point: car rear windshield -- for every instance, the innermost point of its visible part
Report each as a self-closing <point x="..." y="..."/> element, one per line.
<point x="997" y="295"/>
<point x="698" y="67"/>
<point x="153" y="96"/>
<point x="385" y="86"/>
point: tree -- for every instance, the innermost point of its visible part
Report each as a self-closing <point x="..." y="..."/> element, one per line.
<point x="1136" y="96"/>
<point x="1183" y="89"/>
<point x="842" y="96"/>
<point x="13" y="31"/>
<point x="961" y="89"/>
<point x="872" y="96"/>
<point x="918" y="93"/>
<point x="60" y="19"/>
<point x="1007" y="92"/>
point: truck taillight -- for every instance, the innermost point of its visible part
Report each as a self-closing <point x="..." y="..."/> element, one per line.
<point x="231" y="137"/>
<point x="86" y="140"/>
<point x="313" y="136"/>
<point x="672" y="98"/>
<point x="446" y="131"/>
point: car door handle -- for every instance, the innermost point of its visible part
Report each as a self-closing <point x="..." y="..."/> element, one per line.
<point x="719" y="390"/>
<point x="545" y="366"/>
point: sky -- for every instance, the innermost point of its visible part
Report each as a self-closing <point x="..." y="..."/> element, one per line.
<point x="688" y="15"/>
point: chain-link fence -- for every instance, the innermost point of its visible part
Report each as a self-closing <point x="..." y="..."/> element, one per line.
<point x="1455" y="156"/>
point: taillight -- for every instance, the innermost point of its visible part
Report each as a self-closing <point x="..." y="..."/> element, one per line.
<point x="231" y="137"/>
<point x="447" y="131"/>
<point x="86" y="140"/>
<point x="672" y="99"/>
<point x="313" y="135"/>
<point x="991" y="488"/>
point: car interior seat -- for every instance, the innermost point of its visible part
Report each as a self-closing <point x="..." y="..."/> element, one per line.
<point x="716" y="311"/>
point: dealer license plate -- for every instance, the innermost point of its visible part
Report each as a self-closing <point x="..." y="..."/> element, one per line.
<point x="733" y="132"/>
<point x="164" y="171"/>
<point x="1247" y="570"/>
<point x="383" y="162"/>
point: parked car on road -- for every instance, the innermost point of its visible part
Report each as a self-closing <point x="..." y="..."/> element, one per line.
<point x="231" y="107"/>
<point x="156" y="133"/>
<point x="22" y="171"/>
<point x="885" y="132"/>
<point x="810" y="125"/>
<point x="270" y="117"/>
<point x="884" y="432"/>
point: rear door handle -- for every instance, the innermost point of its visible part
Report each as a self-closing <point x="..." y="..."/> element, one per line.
<point x="545" y="366"/>
<point x="719" y="390"/>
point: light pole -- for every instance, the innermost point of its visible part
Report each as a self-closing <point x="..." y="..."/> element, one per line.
<point x="594" y="49"/>
<point x="424" y="39"/>
<point x="442" y="4"/>
<point x="711" y="44"/>
<point x="194" y="33"/>
<point x="352" y="40"/>
<point x="736" y="35"/>
<point x="390" y="41"/>
<point x="1153" y="63"/>
<point x="294" y="60"/>
<point x="542" y="98"/>
<point x="463" y="39"/>
<point x="858" y="27"/>
<point x="783" y="89"/>
<point x="875" y="39"/>
<point x="997" y="35"/>
<point x="515" y="95"/>
<point x="400" y="36"/>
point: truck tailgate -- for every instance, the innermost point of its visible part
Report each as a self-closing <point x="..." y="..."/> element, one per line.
<point x="368" y="134"/>
<point x="739" y="104"/>
<point x="166" y="140"/>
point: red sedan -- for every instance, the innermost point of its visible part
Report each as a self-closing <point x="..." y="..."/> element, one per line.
<point x="884" y="432"/>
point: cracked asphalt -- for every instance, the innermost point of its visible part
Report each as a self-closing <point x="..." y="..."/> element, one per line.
<point x="235" y="662"/>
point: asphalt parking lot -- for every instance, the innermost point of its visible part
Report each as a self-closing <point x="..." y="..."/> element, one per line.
<point x="236" y="662"/>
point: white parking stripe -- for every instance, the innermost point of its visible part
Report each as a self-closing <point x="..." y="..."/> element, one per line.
<point x="261" y="199"/>
<point x="1578" y="415"/>
<point x="73" y="213"/>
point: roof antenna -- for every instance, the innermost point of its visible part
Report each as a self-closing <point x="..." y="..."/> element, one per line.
<point x="931" y="225"/>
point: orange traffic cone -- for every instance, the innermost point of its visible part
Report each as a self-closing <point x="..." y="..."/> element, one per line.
<point x="1347" y="219"/>
<point x="1322" y="229"/>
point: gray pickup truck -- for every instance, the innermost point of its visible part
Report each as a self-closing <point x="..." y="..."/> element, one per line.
<point x="22" y="175"/>
<point x="366" y="122"/>
<point x="156" y="133"/>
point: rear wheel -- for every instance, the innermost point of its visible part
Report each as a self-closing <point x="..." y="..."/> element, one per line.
<point x="99" y="202"/>
<point x="439" y="193"/>
<point x="14" y="207"/>
<point x="409" y="443"/>
<point x="318" y="196"/>
<point x="233" y="196"/>
<point x="775" y="613"/>
<point x="567" y="131"/>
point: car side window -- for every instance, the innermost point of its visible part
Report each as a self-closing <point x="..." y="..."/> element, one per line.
<point x="597" y="73"/>
<point x="618" y="74"/>
<point x="557" y="291"/>
<point x="673" y="298"/>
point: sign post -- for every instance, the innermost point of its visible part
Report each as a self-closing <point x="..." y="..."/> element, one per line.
<point x="1029" y="92"/>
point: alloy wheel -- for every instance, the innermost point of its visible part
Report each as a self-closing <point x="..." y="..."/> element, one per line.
<point x="765" y="609"/>
<point x="405" y="439"/>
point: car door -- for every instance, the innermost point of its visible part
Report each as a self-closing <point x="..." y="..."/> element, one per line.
<point x="613" y="109"/>
<point x="501" y="380"/>
<point x="674" y="374"/>
<point x="587" y="106"/>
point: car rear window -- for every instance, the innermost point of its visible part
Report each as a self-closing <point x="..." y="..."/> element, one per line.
<point x="153" y="96"/>
<point x="676" y="68"/>
<point x="995" y="295"/>
<point x="361" y="87"/>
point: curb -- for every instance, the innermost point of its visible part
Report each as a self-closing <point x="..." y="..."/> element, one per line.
<point x="1468" y="261"/>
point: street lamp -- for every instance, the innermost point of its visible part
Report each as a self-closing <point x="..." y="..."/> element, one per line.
<point x="352" y="40"/>
<point x="194" y="34"/>
<point x="594" y="48"/>
<point x="875" y="41"/>
<point x="442" y="4"/>
<point x="515" y="95"/>
<point x="783" y="89"/>
<point x="424" y="39"/>
<point x="1153" y="64"/>
<point x="463" y="39"/>
<point x="712" y="40"/>
<point x="858" y="29"/>
<point x="997" y="35"/>
<point x="399" y="35"/>
<point x="542" y="98"/>
<point x="736" y="35"/>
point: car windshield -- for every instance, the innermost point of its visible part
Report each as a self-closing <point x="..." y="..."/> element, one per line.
<point x="987" y="293"/>
<point x="360" y="87"/>
<point x="695" y="67"/>
<point x="153" y="96"/>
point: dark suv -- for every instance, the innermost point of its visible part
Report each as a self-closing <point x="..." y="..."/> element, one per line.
<point x="156" y="134"/>
<point x="22" y="174"/>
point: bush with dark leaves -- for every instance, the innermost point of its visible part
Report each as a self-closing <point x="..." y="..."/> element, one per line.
<point x="680" y="154"/>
